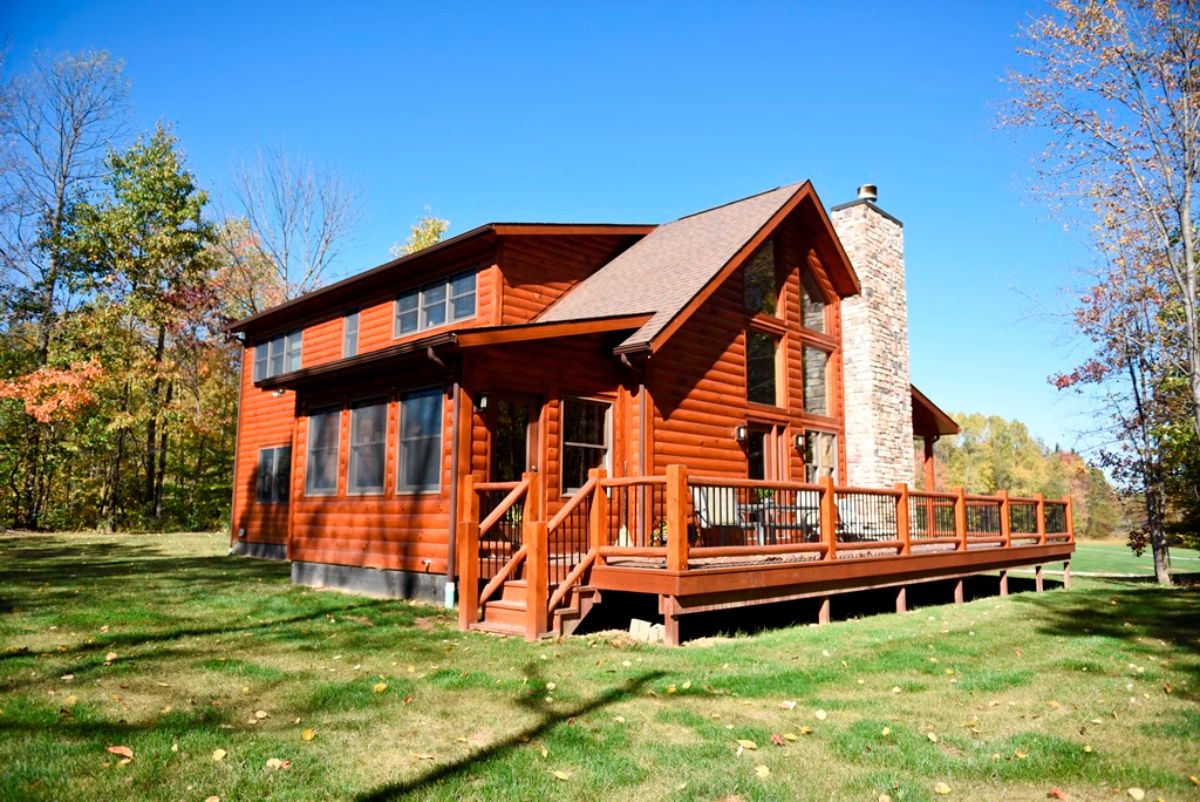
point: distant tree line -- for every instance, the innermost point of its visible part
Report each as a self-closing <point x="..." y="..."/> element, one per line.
<point x="118" y="389"/>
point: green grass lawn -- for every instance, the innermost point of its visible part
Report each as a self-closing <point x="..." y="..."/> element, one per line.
<point x="161" y="645"/>
<point x="1104" y="557"/>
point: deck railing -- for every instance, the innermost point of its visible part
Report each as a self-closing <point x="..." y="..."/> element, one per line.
<point x="677" y="522"/>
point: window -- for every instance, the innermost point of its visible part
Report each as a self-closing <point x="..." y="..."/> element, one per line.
<point x="812" y="304"/>
<point x="274" y="474"/>
<point x="820" y="455"/>
<point x="816" y="384"/>
<point x="584" y="440"/>
<point x="761" y="348"/>
<point x="321" y="470"/>
<point x="350" y="333"/>
<point x="436" y="305"/>
<point x="420" y="468"/>
<point x="762" y="285"/>
<point x="278" y="355"/>
<point x="368" y="445"/>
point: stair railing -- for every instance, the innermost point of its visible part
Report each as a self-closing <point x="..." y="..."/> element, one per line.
<point x="470" y="534"/>
<point x="585" y="495"/>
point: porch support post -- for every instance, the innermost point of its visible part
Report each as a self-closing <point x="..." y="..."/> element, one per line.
<point x="829" y="518"/>
<point x="958" y="591"/>
<point x="537" y="560"/>
<point x="1041" y="518"/>
<point x="902" y="524"/>
<point x="960" y="517"/>
<point x="902" y="600"/>
<point x="1004" y="583"/>
<point x="468" y="552"/>
<point x="598" y="516"/>
<point x="1067" y="575"/>
<point x="930" y="472"/>
<point x="1005" y="521"/>
<point x="1037" y="579"/>
<point x="823" y="612"/>
<point x="677" y="515"/>
<point x="670" y="620"/>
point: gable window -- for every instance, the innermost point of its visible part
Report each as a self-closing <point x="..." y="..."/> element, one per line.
<point x="812" y="304"/>
<point x="420" y="458"/>
<point x="761" y="281"/>
<point x="277" y="355"/>
<point x="368" y="442"/>
<point x="820" y="455"/>
<point x="350" y="334"/>
<point x="761" y="351"/>
<point x="321" y="470"/>
<point x="816" y="381"/>
<point x="274" y="474"/>
<point x="584" y="440"/>
<point x="433" y="305"/>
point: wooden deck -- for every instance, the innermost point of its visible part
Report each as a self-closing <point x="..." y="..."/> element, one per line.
<point x="711" y="543"/>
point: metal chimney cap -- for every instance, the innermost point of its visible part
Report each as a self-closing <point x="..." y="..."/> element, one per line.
<point x="868" y="192"/>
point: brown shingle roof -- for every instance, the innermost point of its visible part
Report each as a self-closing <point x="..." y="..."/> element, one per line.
<point x="662" y="272"/>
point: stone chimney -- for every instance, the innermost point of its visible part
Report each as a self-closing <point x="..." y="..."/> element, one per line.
<point x="879" y="432"/>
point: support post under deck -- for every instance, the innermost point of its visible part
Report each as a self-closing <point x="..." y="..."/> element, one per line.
<point x="1037" y="579"/>
<point x="902" y="600"/>
<point x="823" y="613"/>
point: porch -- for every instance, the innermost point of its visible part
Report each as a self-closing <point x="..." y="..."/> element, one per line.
<point x="702" y="543"/>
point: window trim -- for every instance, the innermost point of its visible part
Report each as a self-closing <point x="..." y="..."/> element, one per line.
<point x="563" y="443"/>
<point x="777" y="365"/>
<point x="349" y="349"/>
<point x="274" y="474"/>
<point x="829" y="384"/>
<point x="447" y="286"/>
<point x="826" y="304"/>
<point x="381" y="488"/>
<point x="420" y="490"/>
<point x="291" y="345"/>
<point x="308" y="452"/>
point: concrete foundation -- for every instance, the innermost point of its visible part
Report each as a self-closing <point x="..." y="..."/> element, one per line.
<point x="372" y="581"/>
<point x="263" y="551"/>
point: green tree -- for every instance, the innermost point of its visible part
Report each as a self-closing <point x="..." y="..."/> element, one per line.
<point x="428" y="230"/>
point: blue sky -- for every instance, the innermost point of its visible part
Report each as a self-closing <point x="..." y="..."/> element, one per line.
<point x="640" y="112"/>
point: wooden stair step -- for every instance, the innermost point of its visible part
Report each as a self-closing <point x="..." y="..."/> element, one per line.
<point x="514" y="590"/>
<point x="505" y="612"/>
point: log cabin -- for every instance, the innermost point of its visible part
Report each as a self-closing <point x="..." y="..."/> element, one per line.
<point x="716" y="411"/>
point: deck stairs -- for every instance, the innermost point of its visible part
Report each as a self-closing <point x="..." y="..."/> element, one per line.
<point x="507" y="613"/>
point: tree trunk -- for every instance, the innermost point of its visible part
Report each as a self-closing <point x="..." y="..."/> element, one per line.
<point x="148" y="495"/>
<point x="162" y="458"/>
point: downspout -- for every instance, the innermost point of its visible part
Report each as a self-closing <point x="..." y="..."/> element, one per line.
<point x="452" y="539"/>
<point x="237" y="447"/>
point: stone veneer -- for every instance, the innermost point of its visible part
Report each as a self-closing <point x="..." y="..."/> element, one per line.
<point x="879" y="433"/>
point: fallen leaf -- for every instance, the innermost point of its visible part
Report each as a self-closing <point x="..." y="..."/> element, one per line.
<point x="789" y="704"/>
<point x="545" y="752"/>
<point x="791" y="736"/>
<point x="686" y="685"/>
<point x="941" y="789"/>
<point x="108" y="658"/>
<point x="776" y="739"/>
<point x="70" y="700"/>
<point x="219" y="754"/>
<point x="260" y="714"/>
<point x="308" y="734"/>
<point x="1019" y="755"/>
<point x="379" y="687"/>
<point x="886" y="731"/>
<point x="619" y="719"/>
<point x="762" y="771"/>
<point x="175" y="746"/>
<point x="69" y="677"/>
<point x="561" y="775"/>
<point x="1055" y="793"/>
<point x="932" y="736"/>
<point x="213" y="798"/>
<point x="821" y="715"/>
<point x="885" y="798"/>
<point x="806" y="730"/>
<point x="1087" y="748"/>
<point x="745" y="744"/>
<point x="551" y="686"/>
<point x="1136" y="793"/>
<point x="123" y="751"/>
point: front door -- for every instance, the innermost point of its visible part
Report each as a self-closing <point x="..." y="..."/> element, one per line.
<point x="513" y="429"/>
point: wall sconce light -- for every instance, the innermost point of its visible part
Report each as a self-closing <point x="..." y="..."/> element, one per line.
<point x="278" y="393"/>
<point x="741" y="434"/>
<point x="798" y="441"/>
<point x="481" y="403"/>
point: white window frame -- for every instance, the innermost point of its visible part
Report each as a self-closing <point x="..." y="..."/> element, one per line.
<point x="336" y="413"/>
<point x="418" y="303"/>
<point x="401" y="453"/>
<point x="372" y="490"/>
<point x="564" y="490"/>
<point x="287" y="348"/>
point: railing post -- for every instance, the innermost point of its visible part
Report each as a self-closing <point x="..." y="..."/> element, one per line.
<point x="1005" y="520"/>
<point x="1070" y="518"/>
<point x="960" y="517"/>
<point x="829" y="517"/>
<point x="537" y="560"/>
<point x="468" y="553"/>
<point x="1041" y="518"/>
<point x="902" y="525"/>
<point x="677" y="517"/>
<point x="598" y="515"/>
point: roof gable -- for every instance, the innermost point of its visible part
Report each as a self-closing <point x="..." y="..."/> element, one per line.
<point x="671" y="271"/>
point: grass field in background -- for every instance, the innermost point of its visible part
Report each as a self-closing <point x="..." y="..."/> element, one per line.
<point x="222" y="679"/>
<point x="1110" y="557"/>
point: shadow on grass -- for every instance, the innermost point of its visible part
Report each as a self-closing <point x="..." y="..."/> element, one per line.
<point x="548" y="720"/>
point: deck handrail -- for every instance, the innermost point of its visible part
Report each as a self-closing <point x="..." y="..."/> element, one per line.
<point x="518" y="490"/>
